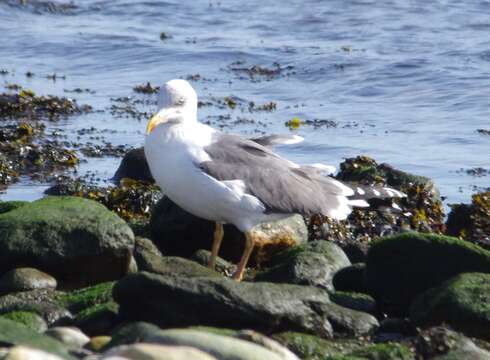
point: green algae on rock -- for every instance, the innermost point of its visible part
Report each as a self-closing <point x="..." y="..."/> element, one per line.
<point x="81" y="299"/>
<point x="68" y="237"/>
<point x="27" y="318"/>
<point x="462" y="302"/>
<point x="400" y="267"/>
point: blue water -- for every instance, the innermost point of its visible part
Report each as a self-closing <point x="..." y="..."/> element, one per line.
<point x="407" y="82"/>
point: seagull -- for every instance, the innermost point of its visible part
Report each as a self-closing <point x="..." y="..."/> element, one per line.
<point x="226" y="178"/>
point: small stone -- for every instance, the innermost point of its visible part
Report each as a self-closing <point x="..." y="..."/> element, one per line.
<point x="70" y="336"/>
<point x="24" y="279"/>
<point x="97" y="343"/>
<point x="27" y="353"/>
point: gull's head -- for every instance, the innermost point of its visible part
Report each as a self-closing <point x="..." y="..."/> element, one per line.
<point x="177" y="93"/>
<point x="177" y="102"/>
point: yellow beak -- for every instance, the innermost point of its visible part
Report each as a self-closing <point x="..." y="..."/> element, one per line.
<point x="151" y="124"/>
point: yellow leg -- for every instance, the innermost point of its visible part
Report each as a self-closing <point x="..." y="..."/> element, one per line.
<point x="218" y="237"/>
<point x="249" y="246"/>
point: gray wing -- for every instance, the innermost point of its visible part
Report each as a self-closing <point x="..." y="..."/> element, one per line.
<point x="281" y="185"/>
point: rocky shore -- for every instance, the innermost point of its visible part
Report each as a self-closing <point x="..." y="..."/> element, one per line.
<point x="92" y="272"/>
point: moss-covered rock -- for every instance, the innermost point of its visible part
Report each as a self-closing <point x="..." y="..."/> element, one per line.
<point x="471" y="221"/>
<point x="81" y="299"/>
<point x="30" y="319"/>
<point x="11" y="205"/>
<point x="131" y="333"/>
<point x="403" y="266"/>
<point x="13" y="333"/>
<point x="314" y="263"/>
<point x="68" y="237"/>
<point x="310" y="347"/>
<point x="462" y="302"/>
<point x="355" y="301"/>
<point x="98" y="319"/>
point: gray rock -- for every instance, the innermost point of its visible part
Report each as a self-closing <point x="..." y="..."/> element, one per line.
<point x="221" y="347"/>
<point x="175" y="266"/>
<point x="69" y="237"/>
<point x="69" y="336"/>
<point x="222" y="266"/>
<point x="178" y="301"/>
<point x="156" y="352"/>
<point x="169" y="223"/>
<point x="355" y="301"/>
<point x="268" y="343"/>
<point x="23" y="279"/>
<point x="132" y="333"/>
<point x="28" y="353"/>
<point x="314" y="263"/>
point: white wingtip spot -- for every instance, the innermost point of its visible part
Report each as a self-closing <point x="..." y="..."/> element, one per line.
<point x="376" y="192"/>
<point x="358" y="203"/>
<point x="394" y="193"/>
<point x="360" y="191"/>
<point x="293" y="139"/>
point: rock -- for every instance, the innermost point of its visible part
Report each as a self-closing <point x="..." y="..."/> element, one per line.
<point x="221" y="347"/>
<point x="403" y="266"/>
<point x="443" y="344"/>
<point x="174" y="266"/>
<point x="68" y="237"/>
<point x="268" y="343"/>
<point x="462" y="302"/>
<point x="131" y="333"/>
<point x="85" y="298"/>
<point x="157" y="352"/>
<point x="16" y="334"/>
<point x="471" y="222"/>
<point x="386" y="351"/>
<point x="314" y="263"/>
<point x="310" y="347"/>
<point x="27" y="353"/>
<point x="97" y="343"/>
<point x="134" y="166"/>
<point x="178" y="301"/>
<point x="351" y="278"/>
<point x="169" y="222"/>
<point x="22" y="279"/>
<point x="70" y="336"/>
<point x="98" y="319"/>
<point x="43" y="302"/>
<point x="30" y="319"/>
<point x="222" y="266"/>
<point x="355" y="301"/>
<point x="144" y="247"/>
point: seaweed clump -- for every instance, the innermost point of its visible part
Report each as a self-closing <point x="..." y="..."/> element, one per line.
<point x="132" y="200"/>
<point x="25" y="103"/>
<point x="471" y="221"/>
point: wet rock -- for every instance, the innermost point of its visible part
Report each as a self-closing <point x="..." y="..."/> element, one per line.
<point x="68" y="237"/>
<point x="43" y="302"/>
<point x="313" y="263"/>
<point x="471" y="222"/>
<point x="30" y="319"/>
<point x="175" y="266"/>
<point x="134" y="166"/>
<point x="158" y="352"/>
<point x="403" y="266"/>
<point x="132" y="333"/>
<point x="179" y="301"/>
<point x="70" y="336"/>
<point x="132" y="200"/>
<point x="351" y="278"/>
<point x="170" y="222"/>
<point x="355" y="301"/>
<point x="444" y="344"/>
<point x="222" y="266"/>
<point x="13" y="333"/>
<point x="462" y="302"/>
<point x="221" y="347"/>
<point x="310" y="347"/>
<point x="23" y="279"/>
<point x="98" y="319"/>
